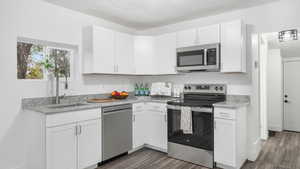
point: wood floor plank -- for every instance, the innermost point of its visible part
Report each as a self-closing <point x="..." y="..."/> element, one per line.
<point x="281" y="151"/>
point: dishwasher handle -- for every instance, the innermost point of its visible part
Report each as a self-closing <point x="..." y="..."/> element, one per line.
<point x="116" y="109"/>
<point x="115" y="112"/>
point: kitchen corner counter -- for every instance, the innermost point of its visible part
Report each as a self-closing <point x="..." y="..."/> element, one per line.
<point x="234" y="101"/>
<point x="48" y="108"/>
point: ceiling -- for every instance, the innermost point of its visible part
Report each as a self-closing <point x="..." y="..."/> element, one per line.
<point x="144" y="14"/>
<point x="288" y="49"/>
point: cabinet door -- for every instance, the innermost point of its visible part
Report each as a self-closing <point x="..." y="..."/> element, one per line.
<point x="144" y="51"/>
<point x="139" y="129"/>
<point x="165" y="58"/>
<point x="61" y="147"/>
<point x="165" y="132"/>
<point x="103" y="50"/>
<point x="89" y="143"/>
<point x="209" y="35"/>
<point x="233" y="57"/>
<point x="186" y="38"/>
<point x="124" y="59"/>
<point x="224" y="142"/>
<point x="157" y="130"/>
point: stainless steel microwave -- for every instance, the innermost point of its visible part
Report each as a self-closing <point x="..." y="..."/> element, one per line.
<point x="199" y="58"/>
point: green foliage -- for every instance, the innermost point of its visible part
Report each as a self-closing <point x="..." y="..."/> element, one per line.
<point x="48" y="64"/>
<point x="35" y="72"/>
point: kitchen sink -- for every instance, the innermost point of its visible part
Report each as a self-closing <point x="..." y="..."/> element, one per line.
<point x="60" y="106"/>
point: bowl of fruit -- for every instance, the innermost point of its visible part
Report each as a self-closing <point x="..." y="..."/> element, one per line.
<point x="119" y="95"/>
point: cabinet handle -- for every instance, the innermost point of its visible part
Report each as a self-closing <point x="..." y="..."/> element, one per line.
<point x="80" y="130"/>
<point x="76" y="130"/>
<point x="215" y="124"/>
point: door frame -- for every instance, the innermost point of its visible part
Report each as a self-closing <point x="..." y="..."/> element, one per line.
<point x="285" y="60"/>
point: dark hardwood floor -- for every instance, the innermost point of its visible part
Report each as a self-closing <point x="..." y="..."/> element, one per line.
<point x="281" y="151"/>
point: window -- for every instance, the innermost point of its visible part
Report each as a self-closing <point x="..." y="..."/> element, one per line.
<point x="36" y="61"/>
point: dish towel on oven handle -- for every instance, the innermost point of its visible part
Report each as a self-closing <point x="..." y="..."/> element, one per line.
<point x="186" y="120"/>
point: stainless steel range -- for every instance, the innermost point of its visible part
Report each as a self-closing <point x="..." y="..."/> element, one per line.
<point x="197" y="146"/>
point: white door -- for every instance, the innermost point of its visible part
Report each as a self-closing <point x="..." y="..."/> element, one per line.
<point x="292" y="96"/>
<point x="89" y="143"/>
<point x="124" y="59"/>
<point x="139" y="129"/>
<point x="209" y="35"/>
<point x="187" y="38"/>
<point x="104" y="50"/>
<point x="61" y="147"/>
<point x="224" y="142"/>
<point x="165" y="57"/>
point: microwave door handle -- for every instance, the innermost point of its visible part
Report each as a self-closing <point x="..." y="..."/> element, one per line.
<point x="205" y="57"/>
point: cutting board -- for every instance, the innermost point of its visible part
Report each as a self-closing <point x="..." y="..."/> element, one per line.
<point x="100" y="100"/>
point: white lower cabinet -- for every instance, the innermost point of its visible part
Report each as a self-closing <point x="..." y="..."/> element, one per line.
<point x="75" y="145"/>
<point x="230" y="137"/>
<point x="157" y="132"/>
<point x="225" y="142"/>
<point x="139" y="121"/>
<point x="150" y="125"/>
<point x="89" y="143"/>
<point x="61" y="147"/>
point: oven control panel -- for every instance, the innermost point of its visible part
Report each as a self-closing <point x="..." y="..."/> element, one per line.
<point x="205" y="88"/>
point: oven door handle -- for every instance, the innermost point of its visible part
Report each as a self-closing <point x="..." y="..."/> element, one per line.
<point x="194" y="109"/>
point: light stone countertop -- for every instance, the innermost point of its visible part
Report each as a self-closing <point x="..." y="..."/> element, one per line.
<point x="52" y="109"/>
<point x="234" y="101"/>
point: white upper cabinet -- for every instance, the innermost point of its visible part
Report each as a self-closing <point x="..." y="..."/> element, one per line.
<point x="144" y="52"/>
<point x="124" y="58"/>
<point x="165" y="57"/>
<point x="98" y="50"/>
<point x="107" y="52"/>
<point x="199" y="36"/>
<point x="208" y="35"/>
<point x="186" y="38"/>
<point x="233" y="47"/>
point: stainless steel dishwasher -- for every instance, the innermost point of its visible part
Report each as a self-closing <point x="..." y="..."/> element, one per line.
<point x="116" y="130"/>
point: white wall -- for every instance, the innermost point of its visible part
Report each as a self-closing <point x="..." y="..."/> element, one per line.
<point x="263" y="86"/>
<point x="272" y="17"/>
<point x="274" y="90"/>
<point x="39" y="20"/>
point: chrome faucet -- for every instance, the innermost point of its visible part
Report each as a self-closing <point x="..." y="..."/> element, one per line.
<point x="58" y="97"/>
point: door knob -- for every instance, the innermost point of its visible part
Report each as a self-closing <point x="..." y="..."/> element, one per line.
<point x="286" y="101"/>
<point x="285" y="96"/>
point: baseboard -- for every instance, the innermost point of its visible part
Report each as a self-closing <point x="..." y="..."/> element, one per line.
<point x="156" y="148"/>
<point x="136" y="149"/>
<point x="275" y="128"/>
<point x="254" y="150"/>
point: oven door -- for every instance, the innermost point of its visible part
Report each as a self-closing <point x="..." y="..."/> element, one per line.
<point x="212" y="57"/>
<point x="203" y="130"/>
<point x="190" y="58"/>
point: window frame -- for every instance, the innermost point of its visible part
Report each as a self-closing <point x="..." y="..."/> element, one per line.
<point x="46" y="46"/>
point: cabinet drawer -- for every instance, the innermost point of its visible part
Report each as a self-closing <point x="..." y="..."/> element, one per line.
<point x="72" y="117"/>
<point x="156" y="107"/>
<point x="225" y="113"/>
<point x="138" y="107"/>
